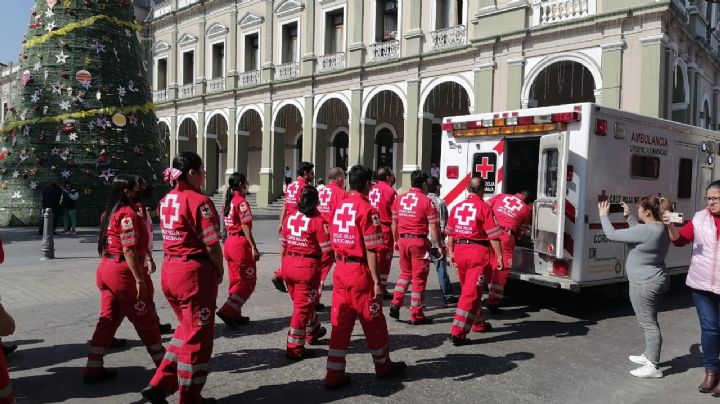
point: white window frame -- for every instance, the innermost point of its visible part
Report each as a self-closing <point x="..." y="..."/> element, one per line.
<point x="433" y="16"/>
<point x="374" y="17"/>
<point x="157" y="59"/>
<point x="209" y="63"/>
<point x="325" y="12"/>
<point x="182" y="66"/>
<point x="244" y="36"/>
<point x="279" y="54"/>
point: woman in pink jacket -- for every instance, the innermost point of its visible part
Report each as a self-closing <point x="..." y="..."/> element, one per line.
<point x="702" y="278"/>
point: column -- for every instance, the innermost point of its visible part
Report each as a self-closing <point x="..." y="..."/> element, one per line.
<point x="202" y="138"/>
<point x="356" y="132"/>
<point x="232" y="146"/>
<point x="265" y="195"/>
<point x="356" y="21"/>
<point x="278" y="159"/>
<point x="308" y="58"/>
<point x="653" y="75"/>
<point x="414" y="37"/>
<point x="611" y="74"/>
<point x="425" y="123"/>
<point x="514" y="83"/>
<point x="410" y="133"/>
<point x="714" y="108"/>
<point x="267" y="67"/>
<point x="367" y="143"/>
<point x="231" y="54"/>
<point x="173" y="137"/>
<point x="173" y="66"/>
<point x="693" y="76"/>
<point x="313" y="145"/>
<point x="484" y="87"/>
<point x="201" y="62"/>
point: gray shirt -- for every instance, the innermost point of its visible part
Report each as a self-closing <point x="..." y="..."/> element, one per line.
<point x="442" y="212"/>
<point x="648" y="246"/>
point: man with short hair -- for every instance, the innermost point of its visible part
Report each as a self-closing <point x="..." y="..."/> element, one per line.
<point x="357" y="292"/>
<point x="433" y="186"/>
<point x="471" y="231"/>
<point x="382" y="195"/>
<point x="413" y="213"/>
<point x="330" y="198"/>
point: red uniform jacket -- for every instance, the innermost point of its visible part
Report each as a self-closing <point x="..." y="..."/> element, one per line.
<point x="509" y="210"/>
<point x="355" y="227"/>
<point x="126" y="229"/>
<point x="381" y="198"/>
<point x="189" y="221"/>
<point x="239" y="214"/>
<point x="414" y="212"/>
<point x="472" y="219"/>
<point x="330" y="198"/>
<point x="306" y="235"/>
<point x="292" y="195"/>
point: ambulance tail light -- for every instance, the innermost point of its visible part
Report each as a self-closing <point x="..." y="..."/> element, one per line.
<point x="453" y="172"/>
<point x="542" y="119"/>
<point x="569" y="173"/>
<point x="447" y="126"/>
<point x="566" y="117"/>
<point x="487" y="123"/>
<point x="526" y="120"/>
<point x="601" y="127"/>
<point x="474" y="124"/>
<point x="511" y="121"/>
<point x="561" y="268"/>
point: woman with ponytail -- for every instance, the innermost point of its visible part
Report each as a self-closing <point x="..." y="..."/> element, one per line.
<point x="241" y="253"/>
<point x="191" y="272"/>
<point x="648" y="245"/>
<point x="121" y="279"/>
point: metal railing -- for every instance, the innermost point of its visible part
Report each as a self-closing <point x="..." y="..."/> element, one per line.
<point x="216" y="85"/>
<point x="287" y="71"/>
<point x="248" y="79"/>
<point x="383" y="51"/>
<point x="552" y="11"/>
<point x="186" y="3"/>
<point x="160" y="96"/>
<point x="331" y="62"/>
<point x="186" y="91"/>
<point x="448" y="38"/>
<point x="163" y="10"/>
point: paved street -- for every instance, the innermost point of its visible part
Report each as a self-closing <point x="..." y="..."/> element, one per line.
<point x="547" y="346"/>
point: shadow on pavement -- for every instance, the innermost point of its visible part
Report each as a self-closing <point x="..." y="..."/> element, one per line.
<point x="681" y="364"/>
<point x="32" y="358"/>
<point x="251" y="360"/>
<point x="254" y="327"/>
<point x="455" y="367"/>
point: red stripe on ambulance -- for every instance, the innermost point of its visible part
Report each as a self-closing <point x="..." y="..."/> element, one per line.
<point x="458" y="190"/>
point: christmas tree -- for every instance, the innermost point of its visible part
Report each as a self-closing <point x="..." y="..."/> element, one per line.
<point x="81" y="110"/>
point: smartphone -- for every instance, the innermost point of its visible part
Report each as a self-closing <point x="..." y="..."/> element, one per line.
<point x="616" y="208"/>
<point x="676" y="217"/>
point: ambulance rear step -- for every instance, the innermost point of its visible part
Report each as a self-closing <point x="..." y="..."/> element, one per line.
<point x="547" y="280"/>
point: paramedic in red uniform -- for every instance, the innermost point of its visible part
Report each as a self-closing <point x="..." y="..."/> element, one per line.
<point x="121" y="278"/>
<point x="357" y="291"/>
<point x="191" y="272"/>
<point x="413" y="213"/>
<point x="509" y="211"/>
<point x="241" y="252"/>
<point x="471" y="231"/>
<point x="382" y="195"/>
<point x="306" y="173"/>
<point x="7" y="327"/>
<point x="330" y="198"/>
<point x="306" y="244"/>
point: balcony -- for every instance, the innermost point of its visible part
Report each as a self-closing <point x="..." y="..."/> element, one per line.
<point x="162" y="10"/>
<point x="249" y="79"/>
<point x="186" y="91"/>
<point x="287" y="71"/>
<point x="383" y="51"/>
<point x="331" y="62"/>
<point x="448" y="38"/>
<point x="160" y="96"/>
<point x="216" y="85"/>
<point x="552" y="11"/>
<point x="186" y="3"/>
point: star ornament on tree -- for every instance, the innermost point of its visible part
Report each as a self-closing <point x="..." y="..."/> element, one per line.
<point x="65" y="174"/>
<point x="65" y="105"/>
<point x="50" y="26"/>
<point x="16" y="174"/>
<point x="57" y="88"/>
<point x="16" y="195"/>
<point x="98" y="47"/>
<point x="107" y="174"/>
<point x="33" y="185"/>
<point x="49" y="13"/>
<point x="38" y="66"/>
<point x="73" y="136"/>
<point x="61" y="57"/>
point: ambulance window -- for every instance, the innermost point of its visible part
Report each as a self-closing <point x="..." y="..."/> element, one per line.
<point x="645" y="167"/>
<point x="550" y="157"/>
<point x="685" y="179"/>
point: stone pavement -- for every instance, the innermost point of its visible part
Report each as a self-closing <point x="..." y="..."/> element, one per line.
<point x="547" y="345"/>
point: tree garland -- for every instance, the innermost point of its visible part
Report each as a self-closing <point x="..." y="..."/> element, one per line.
<point x="147" y="108"/>
<point x="78" y="25"/>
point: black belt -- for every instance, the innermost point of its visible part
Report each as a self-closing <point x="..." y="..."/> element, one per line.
<point x="238" y="234"/>
<point x="466" y="241"/>
<point x="294" y="254"/>
<point x="351" y="259"/>
<point x="115" y="257"/>
<point x="386" y="223"/>
<point x="413" y="236"/>
<point x="197" y="256"/>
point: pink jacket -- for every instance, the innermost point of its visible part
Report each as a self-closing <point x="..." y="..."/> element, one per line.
<point x="704" y="265"/>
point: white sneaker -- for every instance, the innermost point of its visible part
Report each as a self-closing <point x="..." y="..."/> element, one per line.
<point x="639" y="359"/>
<point x="647" y="371"/>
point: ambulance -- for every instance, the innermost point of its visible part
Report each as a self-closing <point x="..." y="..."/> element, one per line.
<point x="571" y="157"/>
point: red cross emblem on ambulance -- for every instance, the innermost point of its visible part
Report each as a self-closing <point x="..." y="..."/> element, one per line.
<point x="465" y="214"/>
<point x="485" y="168"/>
<point x="374" y="197"/>
<point x="325" y="195"/>
<point x="298" y="223"/>
<point x="409" y="201"/>
<point x="345" y="218"/>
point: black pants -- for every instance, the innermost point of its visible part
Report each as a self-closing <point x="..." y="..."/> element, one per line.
<point x="57" y="216"/>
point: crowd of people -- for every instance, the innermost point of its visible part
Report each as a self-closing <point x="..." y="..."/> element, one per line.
<point x="355" y="224"/>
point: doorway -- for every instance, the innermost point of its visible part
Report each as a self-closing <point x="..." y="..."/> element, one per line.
<point x="521" y="165"/>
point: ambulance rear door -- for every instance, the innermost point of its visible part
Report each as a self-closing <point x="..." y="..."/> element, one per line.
<point x="549" y="208"/>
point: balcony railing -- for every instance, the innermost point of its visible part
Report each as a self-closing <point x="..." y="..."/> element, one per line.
<point x="186" y="3"/>
<point x="383" y="51"/>
<point x="216" y="85"/>
<point x="287" y="71"/>
<point x="448" y="38"/>
<point x="552" y="11"/>
<point x="160" y="96"/>
<point x="248" y="79"/>
<point x="186" y="91"/>
<point x="331" y="62"/>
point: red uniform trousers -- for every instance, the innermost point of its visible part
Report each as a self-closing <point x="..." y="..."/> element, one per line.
<point x="7" y="395"/>
<point x="242" y="275"/>
<point x="118" y="299"/>
<point x="473" y="263"/>
<point x="325" y="267"/>
<point x="191" y="289"/>
<point x="352" y="298"/>
<point x="496" y="289"/>
<point x="414" y="267"/>
<point x="384" y="257"/>
<point x="302" y="277"/>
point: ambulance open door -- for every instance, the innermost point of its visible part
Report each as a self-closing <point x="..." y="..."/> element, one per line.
<point x="549" y="208"/>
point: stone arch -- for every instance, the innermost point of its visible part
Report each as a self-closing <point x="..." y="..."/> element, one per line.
<point x="586" y="61"/>
<point x="216" y="147"/>
<point x="457" y="79"/>
<point x="165" y="139"/>
<point x="320" y="102"/>
<point x="249" y="144"/>
<point x="705" y="118"/>
<point x="287" y="122"/>
<point x="338" y="147"/>
<point x="681" y="85"/>
<point x="378" y="143"/>
<point x="282" y="104"/>
<point x="187" y="134"/>
<point x="333" y="112"/>
<point x="393" y="88"/>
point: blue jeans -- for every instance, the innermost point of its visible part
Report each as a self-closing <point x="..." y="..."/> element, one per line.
<point x="707" y="305"/>
<point x="443" y="278"/>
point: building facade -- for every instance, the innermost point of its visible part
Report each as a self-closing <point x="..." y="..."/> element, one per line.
<point x="258" y="85"/>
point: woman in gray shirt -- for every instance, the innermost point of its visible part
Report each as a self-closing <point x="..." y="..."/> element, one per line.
<point x="648" y="245"/>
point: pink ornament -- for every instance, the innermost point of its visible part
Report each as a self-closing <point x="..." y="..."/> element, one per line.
<point x="51" y="3"/>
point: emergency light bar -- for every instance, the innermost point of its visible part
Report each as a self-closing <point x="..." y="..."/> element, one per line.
<point x="511" y="124"/>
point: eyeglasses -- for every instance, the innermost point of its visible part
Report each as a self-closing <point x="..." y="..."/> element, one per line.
<point x="713" y="199"/>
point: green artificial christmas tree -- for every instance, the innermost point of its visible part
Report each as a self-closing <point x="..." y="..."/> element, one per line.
<point x="82" y="109"/>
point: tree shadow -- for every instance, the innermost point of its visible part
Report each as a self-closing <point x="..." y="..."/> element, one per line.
<point x="682" y="364"/>
<point x="65" y="383"/>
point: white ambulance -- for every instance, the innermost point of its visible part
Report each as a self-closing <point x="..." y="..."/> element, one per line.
<point x="572" y="156"/>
